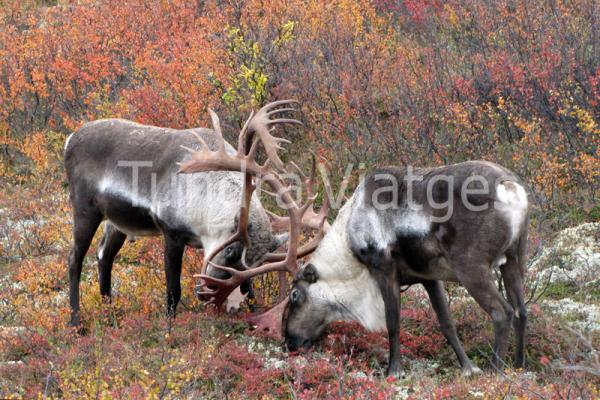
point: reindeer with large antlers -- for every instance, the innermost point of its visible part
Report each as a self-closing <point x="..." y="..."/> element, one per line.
<point x="126" y="173"/>
<point x="257" y="129"/>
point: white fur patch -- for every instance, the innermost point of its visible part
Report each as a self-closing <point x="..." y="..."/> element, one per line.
<point x="121" y="189"/>
<point x="512" y="201"/>
<point x="344" y="282"/>
<point x="67" y="141"/>
<point x="369" y="225"/>
<point x="499" y="261"/>
<point x="108" y="185"/>
<point x="412" y="222"/>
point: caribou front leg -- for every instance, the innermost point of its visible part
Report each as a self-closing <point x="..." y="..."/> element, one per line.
<point x="390" y="291"/>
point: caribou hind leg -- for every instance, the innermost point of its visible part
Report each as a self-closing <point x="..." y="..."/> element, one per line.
<point x="512" y="277"/>
<point x="85" y="224"/>
<point x="111" y="243"/>
<point x="478" y="280"/>
<point x="435" y="290"/>
<point x="174" y="248"/>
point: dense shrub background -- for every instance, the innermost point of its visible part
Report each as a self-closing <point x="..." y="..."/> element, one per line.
<point x="421" y="82"/>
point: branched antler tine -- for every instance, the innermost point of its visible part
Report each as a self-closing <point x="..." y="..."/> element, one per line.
<point x="298" y="169"/>
<point x="216" y="123"/>
<point x="188" y="149"/>
<point x="282" y="140"/>
<point x="257" y="129"/>
<point x="245" y="208"/>
<point x="310" y="246"/>
<point x="280" y="110"/>
<point x="206" y="292"/>
<point x="260" y="124"/>
<point x="270" y="145"/>
<point x="285" y="121"/>
<point x="278" y="103"/>
<point x="224" y="287"/>
<point x="201" y="140"/>
<point x="311" y="181"/>
<point x="208" y="257"/>
<point x="278" y="222"/>
<point x="243" y="258"/>
<point x="241" y="233"/>
<point x="308" y="204"/>
<point x="270" y="267"/>
<point x="222" y="267"/>
<point x="242" y="135"/>
<point x="323" y="212"/>
<point x="302" y="251"/>
<point x="210" y="280"/>
<point x="272" y="194"/>
<point x="252" y="152"/>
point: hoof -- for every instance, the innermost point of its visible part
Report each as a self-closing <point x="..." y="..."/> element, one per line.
<point x="75" y="321"/>
<point x="76" y="324"/>
<point x="471" y="370"/>
<point x="394" y="371"/>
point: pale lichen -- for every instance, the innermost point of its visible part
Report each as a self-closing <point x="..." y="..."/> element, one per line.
<point x="573" y="257"/>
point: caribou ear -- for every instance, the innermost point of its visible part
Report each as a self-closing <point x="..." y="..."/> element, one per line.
<point x="278" y="241"/>
<point x="308" y="274"/>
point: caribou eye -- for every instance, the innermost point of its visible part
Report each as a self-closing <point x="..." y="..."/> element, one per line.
<point x="295" y="296"/>
<point x="232" y="253"/>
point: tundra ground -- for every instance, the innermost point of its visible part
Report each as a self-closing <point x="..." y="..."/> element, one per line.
<point x="131" y="350"/>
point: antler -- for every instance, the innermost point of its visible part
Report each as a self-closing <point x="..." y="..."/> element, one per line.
<point x="244" y="161"/>
<point x="274" y="261"/>
<point x="311" y="218"/>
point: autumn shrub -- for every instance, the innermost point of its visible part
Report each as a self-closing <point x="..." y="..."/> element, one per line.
<point x="420" y="82"/>
<point x="424" y="82"/>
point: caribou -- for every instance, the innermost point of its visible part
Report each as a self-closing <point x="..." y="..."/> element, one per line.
<point x="402" y="226"/>
<point x="378" y="244"/>
<point x="126" y="173"/>
<point x="406" y="226"/>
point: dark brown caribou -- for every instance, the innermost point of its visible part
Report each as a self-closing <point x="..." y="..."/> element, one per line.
<point x="404" y="226"/>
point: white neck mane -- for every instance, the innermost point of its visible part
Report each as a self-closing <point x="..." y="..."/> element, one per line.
<point x="344" y="282"/>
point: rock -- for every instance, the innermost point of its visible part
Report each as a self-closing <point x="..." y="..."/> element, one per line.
<point x="573" y="257"/>
<point x="7" y="364"/>
<point x="275" y="363"/>
<point x="358" y="375"/>
<point x="584" y="317"/>
<point x="570" y="266"/>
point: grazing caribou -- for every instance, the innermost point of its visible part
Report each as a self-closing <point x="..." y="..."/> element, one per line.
<point x="403" y="226"/>
<point x="126" y="173"/>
